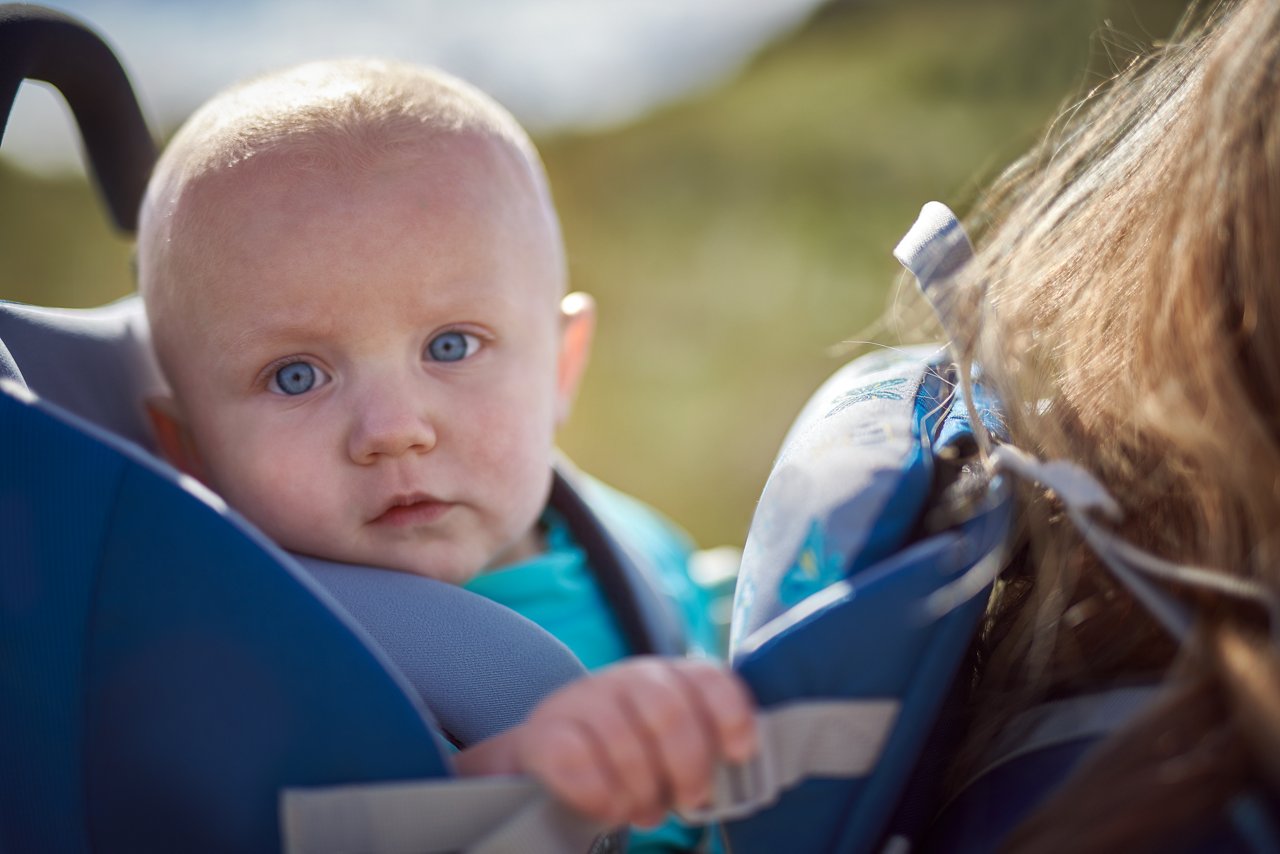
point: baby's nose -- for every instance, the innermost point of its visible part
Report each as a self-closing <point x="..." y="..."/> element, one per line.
<point x="390" y="427"/>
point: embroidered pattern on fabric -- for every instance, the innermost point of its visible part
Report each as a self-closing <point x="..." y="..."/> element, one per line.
<point x="884" y="390"/>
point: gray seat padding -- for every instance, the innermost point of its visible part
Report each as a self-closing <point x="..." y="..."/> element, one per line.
<point x="95" y="362"/>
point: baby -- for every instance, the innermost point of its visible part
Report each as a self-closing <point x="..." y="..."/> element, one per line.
<point x="355" y="281"/>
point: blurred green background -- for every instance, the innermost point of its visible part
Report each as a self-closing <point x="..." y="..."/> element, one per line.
<point x="733" y="240"/>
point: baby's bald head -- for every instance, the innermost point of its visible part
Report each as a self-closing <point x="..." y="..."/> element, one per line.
<point x="322" y="122"/>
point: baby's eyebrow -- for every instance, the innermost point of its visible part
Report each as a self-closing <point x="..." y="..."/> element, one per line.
<point x="248" y="351"/>
<point x="260" y="334"/>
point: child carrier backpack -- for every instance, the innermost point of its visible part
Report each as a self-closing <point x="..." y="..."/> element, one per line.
<point x="173" y="681"/>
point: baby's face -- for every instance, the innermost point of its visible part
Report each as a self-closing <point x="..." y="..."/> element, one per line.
<point x="372" y="370"/>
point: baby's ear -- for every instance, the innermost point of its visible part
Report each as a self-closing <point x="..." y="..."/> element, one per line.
<point x="578" y="325"/>
<point x="173" y="439"/>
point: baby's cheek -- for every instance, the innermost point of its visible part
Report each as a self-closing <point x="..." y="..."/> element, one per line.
<point x="509" y="443"/>
<point x="274" y="489"/>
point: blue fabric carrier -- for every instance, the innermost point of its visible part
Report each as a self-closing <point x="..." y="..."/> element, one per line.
<point x="848" y="592"/>
<point x="167" y="671"/>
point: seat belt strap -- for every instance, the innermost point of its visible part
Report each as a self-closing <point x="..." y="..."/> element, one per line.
<point x="497" y="815"/>
<point x="477" y="814"/>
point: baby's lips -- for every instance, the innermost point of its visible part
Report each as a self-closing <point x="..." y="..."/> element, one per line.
<point x="414" y="508"/>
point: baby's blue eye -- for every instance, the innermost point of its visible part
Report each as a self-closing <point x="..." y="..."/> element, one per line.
<point x="452" y="346"/>
<point x="295" y="378"/>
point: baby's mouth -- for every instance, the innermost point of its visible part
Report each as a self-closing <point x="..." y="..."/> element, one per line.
<point x="414" y="509"/>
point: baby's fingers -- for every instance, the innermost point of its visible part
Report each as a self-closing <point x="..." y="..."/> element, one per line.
<point x="565" y="758"/>
<point x="666" y="712"/>
<point x="693" y="713"/>
<point x="726" y="706"/>
<point x="639" y="738"/>
<point x="625" y="751"/>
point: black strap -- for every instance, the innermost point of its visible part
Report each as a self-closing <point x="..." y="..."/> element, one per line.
<point x="41" y="44"/>
<point x="627" y="584"/>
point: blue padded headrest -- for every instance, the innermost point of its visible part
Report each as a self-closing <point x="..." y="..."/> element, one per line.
<point x="166" y="671"/>
<point x="96" y="362"/>
<point x="850" y="480"/>
<point x="868" y="567"/>
<point x="846" y="593"/>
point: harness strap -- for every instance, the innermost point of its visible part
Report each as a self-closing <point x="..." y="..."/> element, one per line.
<point x="493" y="815"/>
<point x="431" y="817"/>
<point x="647" y="620"/>
<point x="1092" y="716"/>
<point x="815" y="738"/>
<point x="934" y="250"/>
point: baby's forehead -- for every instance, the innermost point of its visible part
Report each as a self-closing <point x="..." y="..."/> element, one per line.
<point x="476" y="184"/>
<point x="457" y="169"/>
<point x="293" y="182"/>
<point x="256" y="163"/>
<point x="318" y="162"/>
<point x="329" y="120"/>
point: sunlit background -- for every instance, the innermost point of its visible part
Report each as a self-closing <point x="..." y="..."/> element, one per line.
<point x="732" y="175"/>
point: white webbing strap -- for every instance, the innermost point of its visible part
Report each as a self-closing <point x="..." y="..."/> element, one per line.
<point x="491" y="815"/>
<point x="1082" y="495"/>
<point x="478" y="814"/>
<point x="814" y="738"/>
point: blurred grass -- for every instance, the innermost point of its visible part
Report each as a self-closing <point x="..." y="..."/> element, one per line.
<point x="732" y="239"/>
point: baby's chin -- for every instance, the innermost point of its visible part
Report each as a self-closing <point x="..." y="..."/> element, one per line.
<point x="448" y="559"/>
<point x="456" y="570"/>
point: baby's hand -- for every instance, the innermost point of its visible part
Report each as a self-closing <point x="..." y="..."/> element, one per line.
<point x="628" y="744"/>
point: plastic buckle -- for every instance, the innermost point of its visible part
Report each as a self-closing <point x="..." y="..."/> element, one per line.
<point x="739" y="790"/>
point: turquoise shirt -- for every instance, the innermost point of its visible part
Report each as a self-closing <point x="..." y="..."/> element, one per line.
<point x="557" y="590"/>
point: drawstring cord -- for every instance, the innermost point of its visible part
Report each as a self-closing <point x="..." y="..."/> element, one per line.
<point x="1082" y="495"/>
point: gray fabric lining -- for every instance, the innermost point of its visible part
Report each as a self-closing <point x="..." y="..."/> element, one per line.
<point x="95" y="362"/>
<point x="479" y="667"/>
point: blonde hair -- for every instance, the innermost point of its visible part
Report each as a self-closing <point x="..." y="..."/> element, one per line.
<point x="331" y="117"/>
<point x="1129" y="282"/>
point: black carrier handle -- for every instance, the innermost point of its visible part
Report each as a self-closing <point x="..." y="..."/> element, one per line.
<point x="41" y="44"/>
